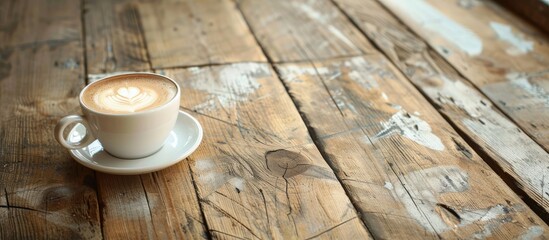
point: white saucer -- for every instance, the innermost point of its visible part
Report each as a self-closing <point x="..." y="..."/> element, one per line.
<point x="182" y="141"/>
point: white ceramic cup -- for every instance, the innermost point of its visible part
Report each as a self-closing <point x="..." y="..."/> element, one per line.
<point x="128" y="135"/>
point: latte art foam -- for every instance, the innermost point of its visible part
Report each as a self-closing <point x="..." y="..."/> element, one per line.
<point x="129" y="94"/>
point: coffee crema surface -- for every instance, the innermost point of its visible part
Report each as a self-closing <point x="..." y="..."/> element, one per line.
<point x="128" y="94"/>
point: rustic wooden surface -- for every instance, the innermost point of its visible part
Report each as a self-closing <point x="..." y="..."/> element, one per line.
<point x="182" y="33"/>
<point x="114" y="37"/>
<point x="463" y="105"/>
<point x="44" y="193"/>
<point x="389" y="146"/>
<point x="500" y="54"/>
<point x="26" y="22"/>
<point x="259" y="174"/>
<point x="304" y="30"/>
<point x="311" y="131"/>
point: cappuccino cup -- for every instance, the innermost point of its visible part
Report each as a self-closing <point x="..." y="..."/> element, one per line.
<point x="131" y="114"/>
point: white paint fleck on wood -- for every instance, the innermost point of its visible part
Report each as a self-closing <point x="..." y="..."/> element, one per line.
<point x="292" y="73"/>
<point x="469" y="216"/>
<point x="237" y="182"/>
<point x="527" y="159"/>
<point x="521" y="154"/>
<point x="210" y="176"/>
<point x="194" y="70"/>
<point x="519" y="45"/>
<point x="234" y="83"/>
<point x="438" y="23"/>
<point x="395" y="106"/>
<point x="384" y="96"/>
<point x="363" y="73"/>
<point x="206" y="106"/>
<point x="538" y="94"/>
<point x="204" y="164"/>
<point x="496" y="216"/>
<point x="388" y="185"/>
<point x="486" y="231"/>
<point x="533" y="232"/>
<point x="242" y="76"/>
<point x="411" y="127"/>
<point x="342" y="101"/>
<point x="460" y="95"/>
<point x="422" y="190"/>
<point x="212" y="179"/>
<point x="425" y="186"/>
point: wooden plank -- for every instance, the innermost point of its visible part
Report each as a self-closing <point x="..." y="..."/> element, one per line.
<point x="23" y="22"/>
<point x="114" y="38"/>
<point x="44" y="193"/>
<point x="302" y="30"/>
<point x="463" y="105"/>
<point x="125" y="212"/>
<point x="503" y="57"/>
<point x="158" y="205"/>
<point x="175" y="211"/>
<point x="537" y="11"/>
<point x="401" y="162"/>
<point x="258" y="173"/>
<point x="183" y="33"/>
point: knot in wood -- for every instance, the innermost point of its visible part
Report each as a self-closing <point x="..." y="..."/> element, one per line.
<point x="286" y="164"/>
<point x="60" y="197"/>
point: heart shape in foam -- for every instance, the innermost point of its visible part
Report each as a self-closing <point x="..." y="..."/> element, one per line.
<point x="126" y="99"/>
<point x="128" y="92"/>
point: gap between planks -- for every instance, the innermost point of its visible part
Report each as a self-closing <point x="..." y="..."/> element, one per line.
<point x="302" y="115"/>
<point x="90" y="79"/>
<point x="313" y="136"/>
<point x="506" y="177"/>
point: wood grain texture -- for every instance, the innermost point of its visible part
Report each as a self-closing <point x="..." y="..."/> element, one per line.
<point x="159" y="205"/>
<point x="500" y="54"/>
<point x="114" y="38"/>
<point x="302" y="30"/>
<point x="125" y="212"/>
<point x="183" y="33"/>
<point x="44" y="193"/>
<point x="175" y="211"/>
<point x="401" y="162"/>
<point x="491" y="132"/>
<point x="537" y="11"/>
<point x="30" y="22"/>
<point x="257" y="172"/>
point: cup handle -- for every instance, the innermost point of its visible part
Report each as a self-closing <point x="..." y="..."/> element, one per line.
<point x="66" y="121"/>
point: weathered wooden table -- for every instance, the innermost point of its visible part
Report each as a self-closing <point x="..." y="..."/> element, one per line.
<point x="344" y="119"/>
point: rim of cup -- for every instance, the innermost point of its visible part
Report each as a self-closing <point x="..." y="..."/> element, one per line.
<point x="134" y="113"/>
